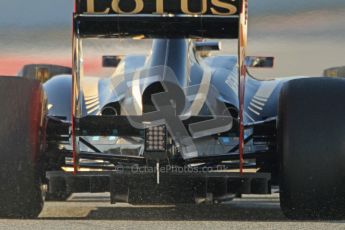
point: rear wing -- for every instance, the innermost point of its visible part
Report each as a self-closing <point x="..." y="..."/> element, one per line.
<point x="226" y="19"/>
<point x="158" y="18"/>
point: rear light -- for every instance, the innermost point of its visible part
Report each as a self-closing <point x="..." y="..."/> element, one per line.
<point x="155" y="139"/>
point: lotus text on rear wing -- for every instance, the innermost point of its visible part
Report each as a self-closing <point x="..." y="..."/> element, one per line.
<point x="184" y="7"/>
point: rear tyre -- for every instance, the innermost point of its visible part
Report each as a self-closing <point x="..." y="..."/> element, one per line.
<point x="311" y="146"/>
<point x="22" y="114"/>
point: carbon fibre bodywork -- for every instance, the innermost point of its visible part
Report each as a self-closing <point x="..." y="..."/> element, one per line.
<point x="260" y="100"/>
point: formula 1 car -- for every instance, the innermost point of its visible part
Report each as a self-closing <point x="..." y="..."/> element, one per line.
<point x="176" y="126"/>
